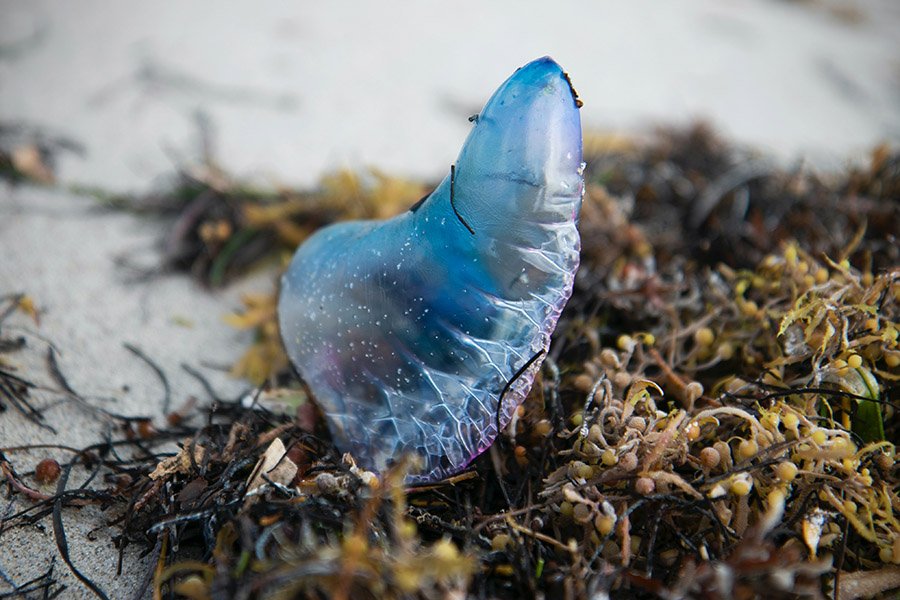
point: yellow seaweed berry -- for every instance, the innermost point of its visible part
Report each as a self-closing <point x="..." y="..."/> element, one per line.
<point x="644" y="486"/>
<point x="693" y="391"/>
<point x="604" y="524"/>
<point x="741" y="484"/>
<point x="445" y="551"/>
<point x="407" y="579"/>
<point x="521" y="455"/>
<point x="580" y="470"/>
<point x="609" y="458"/>
<point x="892" y="360"/>
<point x="791" y="422"/>
<point x="543" y="427"/>
<point x="749" y="308"/>
<point x="692" y="431"/>
<point x="639" y="423"/>
<point x="621" y="380"/>
<point x="790" y="255"/>
<point x="586" y="472"/>
<point x="629" y="461"/>
<point x="504" y="570"/>
<point x="566" y="508"/>
<point x="819" y="436"/>
<point x="355" y="545"/>
<point x="500" y="542"/>
<point x="786" y="471"/>
<point x="770" y="421"/>
<point x="710" y="458"/>
<point x="724" y="451"/>
<point x="192" y="586"/>
<point x="407" y="529"/>
<point x="725" y="351"/>
<point x="625" y="343"/>
<point x="609" y="359"/>
<point x="843" y="448"/>
<point x="747" y="449"/>
<point x="583" y="382"/>
<point x="589" y="449"/>
<point x="704" y="337"/>
<point x="854" y="361"/>
<point x="865" y="477"/>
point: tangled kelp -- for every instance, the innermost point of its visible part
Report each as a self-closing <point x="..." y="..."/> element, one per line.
<point x="716" y="418"/>
<point x="221" y="228"/>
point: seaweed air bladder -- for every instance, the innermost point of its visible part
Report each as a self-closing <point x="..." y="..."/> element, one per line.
<point x="423" y="333"/>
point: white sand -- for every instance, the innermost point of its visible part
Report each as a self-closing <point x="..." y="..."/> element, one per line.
<point x="293" y="90"/>
<point x="296" y="88"/>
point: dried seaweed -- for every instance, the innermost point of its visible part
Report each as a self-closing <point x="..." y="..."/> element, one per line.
<point x="44" y="584"/>
<point x="15" y="390"/>
<point x="221" y="228"/>
<point x="716" y="416"/>
<point x="167" y="389"/>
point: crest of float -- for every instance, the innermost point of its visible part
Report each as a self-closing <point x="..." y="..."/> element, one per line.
<point x="423" y="333"/>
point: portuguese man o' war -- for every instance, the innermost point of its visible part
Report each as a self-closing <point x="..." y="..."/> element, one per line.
<point x="423" y="333"/>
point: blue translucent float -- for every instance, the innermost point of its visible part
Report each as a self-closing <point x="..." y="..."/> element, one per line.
<point x="423" y="333"/>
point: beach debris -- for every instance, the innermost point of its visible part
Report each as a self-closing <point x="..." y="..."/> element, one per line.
<point x="707" y="396"/>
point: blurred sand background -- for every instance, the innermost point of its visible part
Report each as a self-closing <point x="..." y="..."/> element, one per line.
<point x="292" y="90"/>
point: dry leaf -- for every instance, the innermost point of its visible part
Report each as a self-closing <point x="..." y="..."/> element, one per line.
<point x="273" y="465"/>
<point x="180" y="463"/>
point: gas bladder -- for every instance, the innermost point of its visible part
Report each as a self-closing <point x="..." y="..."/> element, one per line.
<point x="423" y="333"/>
